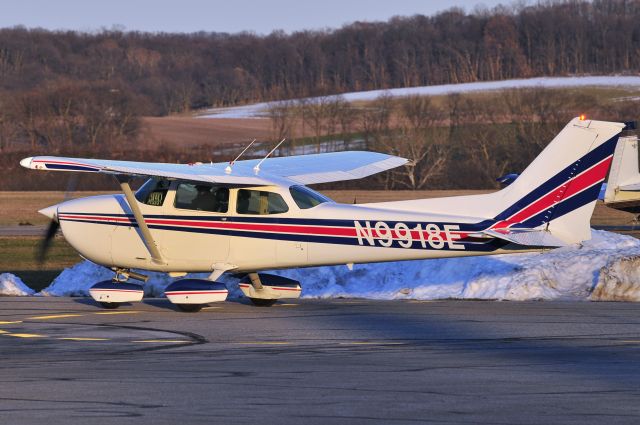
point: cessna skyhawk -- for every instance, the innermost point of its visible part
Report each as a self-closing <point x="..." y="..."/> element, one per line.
<point x="255" y="215"/>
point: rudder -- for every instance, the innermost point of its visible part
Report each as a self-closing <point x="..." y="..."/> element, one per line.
<point x="557" y="192"/>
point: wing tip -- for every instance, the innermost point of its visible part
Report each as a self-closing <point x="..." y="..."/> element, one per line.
<point x="26" y="162"/>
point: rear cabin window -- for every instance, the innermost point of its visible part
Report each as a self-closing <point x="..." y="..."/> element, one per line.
<point x="260" y="202"/>
<point x="153" y="192"/>
<point x="202" y="197"/>
<point x="306" y="198"/>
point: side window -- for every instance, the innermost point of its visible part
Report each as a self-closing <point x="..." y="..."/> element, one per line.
<point x="202" y="197"/>
<point x="153" y="192"/>
<point x="260" y="202"/>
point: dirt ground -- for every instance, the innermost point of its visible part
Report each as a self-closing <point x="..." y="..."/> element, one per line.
<point x="18" y="208"/>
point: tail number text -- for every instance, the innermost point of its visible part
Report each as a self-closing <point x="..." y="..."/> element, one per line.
<point x="430" y="236"/>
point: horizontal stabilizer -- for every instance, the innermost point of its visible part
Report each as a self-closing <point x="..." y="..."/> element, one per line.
<point x="631" y="187"/>
<point x="527" y="237"/>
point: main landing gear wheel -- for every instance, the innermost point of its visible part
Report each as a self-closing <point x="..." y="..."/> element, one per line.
<point x="190" y="308"/>
<point x="261" y="302"/>
<point x="109" y="306"/>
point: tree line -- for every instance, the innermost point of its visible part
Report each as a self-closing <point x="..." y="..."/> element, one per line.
<point x="458" y="141"/>
<point x="72" y="93"/>
<point x="164" y="73"/>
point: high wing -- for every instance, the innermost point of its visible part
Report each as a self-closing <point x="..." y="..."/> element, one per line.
<point x="302" y="169"/>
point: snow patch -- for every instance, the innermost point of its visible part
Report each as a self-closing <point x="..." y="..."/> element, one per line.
<point x="11" y="285"/>
<point x="259" y="110"/>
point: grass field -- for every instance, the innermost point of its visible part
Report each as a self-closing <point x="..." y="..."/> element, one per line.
<point x="17" y="254"/>
<point x="22" y="207"/>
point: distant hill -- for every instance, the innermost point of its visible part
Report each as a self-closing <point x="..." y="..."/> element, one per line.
<point x="164" y="73"/>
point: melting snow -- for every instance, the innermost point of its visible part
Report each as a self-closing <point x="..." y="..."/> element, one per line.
<point x="604" y="268"/>
<point x="259" y="110"/>
<point x="11" y="285"/>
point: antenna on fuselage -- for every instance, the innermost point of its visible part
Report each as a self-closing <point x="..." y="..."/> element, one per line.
<point x="228" y="169"/>
<point x="257" y="167"/>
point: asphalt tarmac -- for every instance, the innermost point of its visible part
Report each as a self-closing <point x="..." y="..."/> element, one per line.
<point x="67" y="361"/>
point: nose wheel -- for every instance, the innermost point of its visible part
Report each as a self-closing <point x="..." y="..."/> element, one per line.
<point x="110" y="306"/>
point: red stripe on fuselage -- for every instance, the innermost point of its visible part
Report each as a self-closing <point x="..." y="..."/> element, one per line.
<point x="273" y="228"/>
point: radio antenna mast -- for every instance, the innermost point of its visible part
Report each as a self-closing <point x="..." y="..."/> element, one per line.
<point x="257" y="167"/>
<point x="228" y="169"/>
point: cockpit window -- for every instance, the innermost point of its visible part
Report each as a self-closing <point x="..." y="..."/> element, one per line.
<point x="153" y="192"/>
<point x="306" y="198"/>
<point x="202" y="197"/>
<point x="260" y="202"/>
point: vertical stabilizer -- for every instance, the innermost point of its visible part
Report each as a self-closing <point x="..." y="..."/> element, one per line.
<point x="559" y="189"/>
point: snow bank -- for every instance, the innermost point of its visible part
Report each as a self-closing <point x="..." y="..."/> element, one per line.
<point x="258" y="110"/>
<point x="565" y="273"/>
<point x="619" y="280"/>
<point x="11" y="285"/>
<point x="604" y="268"/>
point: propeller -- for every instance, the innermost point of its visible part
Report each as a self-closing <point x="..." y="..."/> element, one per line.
<point x="54" y="225"/>
<point x="45" y="244"/>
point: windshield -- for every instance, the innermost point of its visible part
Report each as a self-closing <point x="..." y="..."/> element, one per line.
<point x="153" y="192"/>
<point x="306" y="198"/>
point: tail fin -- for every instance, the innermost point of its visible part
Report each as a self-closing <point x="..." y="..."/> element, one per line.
<point x="558" y="190"/>
<point x="623" y="184"/>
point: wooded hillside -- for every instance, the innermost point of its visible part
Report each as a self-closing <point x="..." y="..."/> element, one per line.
<point x="165" y="73"/>
<point x="80" y="94"/>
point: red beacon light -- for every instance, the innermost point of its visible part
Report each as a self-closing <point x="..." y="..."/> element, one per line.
<point x="583" y="117"/>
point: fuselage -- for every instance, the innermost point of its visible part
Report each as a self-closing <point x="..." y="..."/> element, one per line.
<point x="279" y="231"/>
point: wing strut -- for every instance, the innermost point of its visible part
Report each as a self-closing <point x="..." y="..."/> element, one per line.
<point x="149" y="242"/>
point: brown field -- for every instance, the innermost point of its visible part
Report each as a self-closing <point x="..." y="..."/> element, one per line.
<point x="186" y="131"/>
<point x="22" y="207"/>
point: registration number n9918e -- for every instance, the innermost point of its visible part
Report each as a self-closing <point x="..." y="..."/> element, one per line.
<point x="427" y="235"/>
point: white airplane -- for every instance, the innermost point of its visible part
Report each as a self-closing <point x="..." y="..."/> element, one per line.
<point x="249" y="216"/>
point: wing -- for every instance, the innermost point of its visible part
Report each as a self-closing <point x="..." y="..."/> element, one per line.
<point x="303" y="169"/>
<point x="325" y="167"/>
